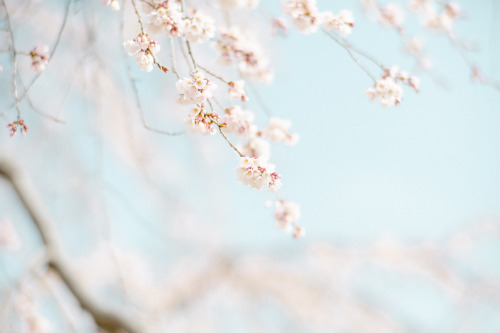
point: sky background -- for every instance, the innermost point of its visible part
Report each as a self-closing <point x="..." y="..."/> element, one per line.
<point x="360" y="172"/>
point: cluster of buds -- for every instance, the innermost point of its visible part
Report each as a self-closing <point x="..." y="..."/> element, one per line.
<point x="143" y="48"/>
<point x="388" y="88"/>
<point x="39" y="57"/>
<point x="113" y="4"/>
<point x="287" y="214"/>
<point x="13" y="126"/>
<point x="258" y="173"/>
<point x="237" y="90"/>
<point x="195" y="90"/>
<point x="202" y="122"/>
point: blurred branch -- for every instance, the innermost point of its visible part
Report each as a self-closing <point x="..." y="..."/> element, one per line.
<point x="105" y="319"/>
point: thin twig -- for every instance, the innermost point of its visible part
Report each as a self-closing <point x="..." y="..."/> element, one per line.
<point x="213" y="74"/>
<point x="349" y="49"/>
<point x="63" y="25"/>
<point x="132" y="81"/>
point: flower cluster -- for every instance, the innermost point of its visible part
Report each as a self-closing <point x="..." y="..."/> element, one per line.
<point x="304" y="14"/>
<point x="237" y="90"/>
<point x="143" y="48"/>
<point x="277" y="131"/>
<point x="287" y="214"/>
<point x="434" y="19"/>
<point x="390" y="14"/>
<point x="195" y="90"/>
<point x="165" y="17"/>
<point x="388" y="88"/>
<point x="202" y="122"/>
<point x="343" y="22"/>
<point x="239" y="121"/>
<point x="39" y="57"/>
<point x="114" y="4"/>
<point x="234" y="44"/>
<point x="258" y="173"/>
<point x="198" y="27"/>
<point x="237" y="4"/>
<point x="13" y="126"/>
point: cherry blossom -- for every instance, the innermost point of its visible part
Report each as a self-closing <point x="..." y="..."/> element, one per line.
<point x="195" y="90"/>
<point x="304" y="14"/>
<point x="237" y="90"/>
<point x="113" y="4"/>
<point x="388" y="88"/>
<point x="277" y="131"/>
<point x="199" y="27"/>
<point x="258" y="173"/>
<point x="13" y="126"/>
<point x="202" y="122"/>
<point x="342" y="23"/>
<point x="143" y="48"/>
<point x="39" y="57"/>
<point x="241" y="47"/>
<point x="239" y="121"/>
<point x="237" y="4"/>
<point x="165" y="17"/>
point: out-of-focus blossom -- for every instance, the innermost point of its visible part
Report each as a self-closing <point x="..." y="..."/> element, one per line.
<point x="237" y="90"/>
<point x="9" y="239"/>
<point x="39" y="57"/>
<point x="278" y="131"/>
<point x="239" y="121"/>
<point x="304" y="14"/>
<point x="113" y="4"/>
<point x="198" y="27"/>
<point x="237" y="4"/>
<point x="342" y="23"/>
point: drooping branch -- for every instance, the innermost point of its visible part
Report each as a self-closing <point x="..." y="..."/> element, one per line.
<point x="107" y="320"/>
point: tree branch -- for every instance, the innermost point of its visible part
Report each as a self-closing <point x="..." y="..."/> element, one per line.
<point x="107" y="320"/>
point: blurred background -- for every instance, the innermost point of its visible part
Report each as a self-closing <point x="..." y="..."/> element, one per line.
<point x="401" y="205"/>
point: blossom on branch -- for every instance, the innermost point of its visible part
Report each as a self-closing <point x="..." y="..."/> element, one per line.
<point x="388" y="88"/>
<point x="258" y="173"/>
<point x="39" y="57"/>
<point x="13" y="126"/>
<point x="239" y="121"/>
<point x="165" y="17"/>
<point x="304" y="14"/>
<point x="143" y="48"/>
<point x="237" y="90"/>
<point x="202" y="122"/>
<point x="195" y="90"/>
<point x="241" y="47"/>
<point x="198" y="27"/>
<point x="343" y="22"/>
